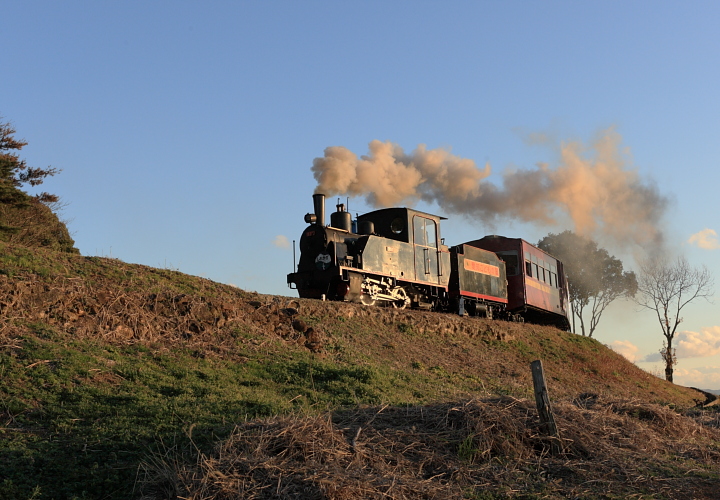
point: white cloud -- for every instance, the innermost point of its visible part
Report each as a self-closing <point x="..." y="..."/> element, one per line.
<point x="626" y="349"/>
<point x="698" y="344"/>
<point x="281" y="241"/>
<point x="707" y="377"/>
<point x="689" y="344"/>
<point x="706" y="239"/>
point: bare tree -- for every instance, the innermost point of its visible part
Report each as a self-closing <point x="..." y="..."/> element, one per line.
<point x="666" y="287"/>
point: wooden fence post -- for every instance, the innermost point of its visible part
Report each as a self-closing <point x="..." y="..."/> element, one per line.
<point x="542" y="400"/>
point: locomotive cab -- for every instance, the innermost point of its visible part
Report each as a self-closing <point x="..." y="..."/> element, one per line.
<point x="424" y="253"/>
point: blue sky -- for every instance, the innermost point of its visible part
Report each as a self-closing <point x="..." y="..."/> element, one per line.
<point x="186" y="130"/>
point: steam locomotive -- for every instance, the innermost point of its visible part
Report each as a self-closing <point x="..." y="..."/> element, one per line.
<point x="396" y="257"/>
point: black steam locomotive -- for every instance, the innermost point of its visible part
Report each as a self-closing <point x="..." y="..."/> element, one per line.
<point x="396" y="257"/>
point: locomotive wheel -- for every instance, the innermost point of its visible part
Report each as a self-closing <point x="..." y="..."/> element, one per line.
<point x="400" y="304"/>
<point x="367" y="300"/>
<point x="402" y="298"/>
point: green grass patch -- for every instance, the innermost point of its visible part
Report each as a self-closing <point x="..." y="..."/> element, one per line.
<point x="80" y="415"/>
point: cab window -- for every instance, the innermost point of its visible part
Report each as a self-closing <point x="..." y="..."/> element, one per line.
<point x="397" y="226"/>
<point x="425" y="232"/>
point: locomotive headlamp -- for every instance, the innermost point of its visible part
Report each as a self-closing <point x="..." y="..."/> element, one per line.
<point x="343" y="288"/>
<point x="310" y="218"/>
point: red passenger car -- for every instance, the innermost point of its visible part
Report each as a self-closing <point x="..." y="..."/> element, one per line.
<point x="537" y="289"/>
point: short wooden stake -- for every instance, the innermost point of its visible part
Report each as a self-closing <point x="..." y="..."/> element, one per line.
<point x="543" y="405"/>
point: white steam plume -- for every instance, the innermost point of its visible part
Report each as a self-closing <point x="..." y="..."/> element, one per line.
<point x="592" y="186"/>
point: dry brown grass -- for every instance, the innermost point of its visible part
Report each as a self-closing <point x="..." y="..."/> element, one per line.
<point x="475" y="449"/>
<point x="124" y="304"/>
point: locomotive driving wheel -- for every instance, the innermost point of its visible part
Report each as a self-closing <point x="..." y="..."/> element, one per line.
<point x="402" y="300"/>
<point x="367" y="300"/>
<point x="369" y="292"/>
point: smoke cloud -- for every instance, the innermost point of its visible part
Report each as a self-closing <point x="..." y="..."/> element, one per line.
<point x="592" y="188"/>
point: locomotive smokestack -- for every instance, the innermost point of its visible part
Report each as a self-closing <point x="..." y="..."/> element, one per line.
<point x="319" y="204"/>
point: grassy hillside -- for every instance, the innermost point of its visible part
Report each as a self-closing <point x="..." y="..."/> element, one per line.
<point x="124" y="381"/>
<point x="33" y="224"/>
